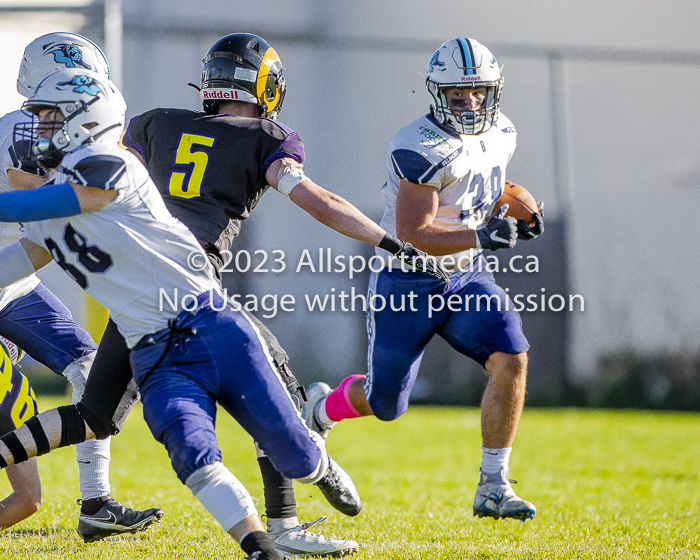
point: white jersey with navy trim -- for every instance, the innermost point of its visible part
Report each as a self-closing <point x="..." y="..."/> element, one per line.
<point x="9" y="232"/>
<point x="124" y="254"/>
<point x="469" y="172"/>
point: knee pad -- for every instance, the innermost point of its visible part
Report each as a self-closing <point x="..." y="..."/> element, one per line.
<point x="77" y="373"/>
<point x="222" y="494"/>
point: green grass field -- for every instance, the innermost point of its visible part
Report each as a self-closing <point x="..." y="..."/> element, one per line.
<point x="620" y="485"/>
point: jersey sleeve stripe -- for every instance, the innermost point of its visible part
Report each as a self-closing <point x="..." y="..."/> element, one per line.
<point x="102" y="172"/>
<point x="412" y="166"/>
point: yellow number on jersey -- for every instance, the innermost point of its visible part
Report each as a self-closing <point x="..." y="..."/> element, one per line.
<point x="23" y="409"/>
<point x="185" y="155"/>
<point x="5" y="376"/>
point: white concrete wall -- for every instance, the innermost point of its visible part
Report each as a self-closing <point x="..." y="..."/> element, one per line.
<point x="631" y="75"/>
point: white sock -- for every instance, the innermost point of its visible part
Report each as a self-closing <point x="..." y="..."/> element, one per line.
<point x="494" y="459"/>
<point x="282" y="524"/>
<point x="323" y="417"/>
<point x="93" y="467"/>
<point x="93" y="456"/>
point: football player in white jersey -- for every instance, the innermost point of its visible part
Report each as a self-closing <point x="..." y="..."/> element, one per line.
<point x="445" y="171"/>
<point x="103" y="221"/>
<point x="35" y="320"/>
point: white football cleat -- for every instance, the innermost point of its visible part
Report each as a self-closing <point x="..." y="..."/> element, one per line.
<point x="314" y="395"/>
<point x="496" y="498"/>
<point x="292" y="540"/>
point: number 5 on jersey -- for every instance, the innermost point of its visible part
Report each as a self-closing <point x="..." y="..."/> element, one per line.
<point x="186" y="155"/>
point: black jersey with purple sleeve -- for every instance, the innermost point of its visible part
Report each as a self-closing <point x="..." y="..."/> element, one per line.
<point x="210" y="169"/>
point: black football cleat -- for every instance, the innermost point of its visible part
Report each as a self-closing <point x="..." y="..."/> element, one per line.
<point x="115" y="519"/>
<point x="339" y="489"/>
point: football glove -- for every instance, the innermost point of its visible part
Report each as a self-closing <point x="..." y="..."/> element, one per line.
<point x="419" y="260"/>
<point x="498" y="232"/>
<point x="527" y="232"/>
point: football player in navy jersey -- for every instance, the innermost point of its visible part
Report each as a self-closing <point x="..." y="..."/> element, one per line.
<point x="445" y="171"/>
<point x="17" y="405"/>
<point x="36" y="320"/>
<point x="278" y="153"/>
<point x="212" y="168"/>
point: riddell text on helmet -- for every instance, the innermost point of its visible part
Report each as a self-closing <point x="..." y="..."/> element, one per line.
<point x="219" y="94"/>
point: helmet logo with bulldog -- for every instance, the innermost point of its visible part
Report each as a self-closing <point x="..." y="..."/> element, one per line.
<point x="70" y="55"/>
<point x="83" y="83"/>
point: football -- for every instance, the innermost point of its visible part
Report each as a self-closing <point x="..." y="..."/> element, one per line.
<point x="521" y="204"/>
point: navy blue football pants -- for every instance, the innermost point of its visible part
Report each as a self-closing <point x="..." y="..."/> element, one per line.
<point x="44" y="328"/>
<point x="473" y="314"/>
<point x="218" y="356"/>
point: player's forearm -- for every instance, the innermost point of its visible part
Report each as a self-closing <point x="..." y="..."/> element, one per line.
<point x="437" y="241"/>
<point x="21" y="180"/>
<point x="336" y="212"/>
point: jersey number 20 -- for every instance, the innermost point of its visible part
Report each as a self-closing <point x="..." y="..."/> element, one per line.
<point x="198" y="159"/>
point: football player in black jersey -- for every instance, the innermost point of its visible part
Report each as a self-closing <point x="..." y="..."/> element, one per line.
<point x="211" y="168"/>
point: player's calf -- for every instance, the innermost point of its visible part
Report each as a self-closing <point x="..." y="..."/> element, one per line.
<point x="25" y="499"/>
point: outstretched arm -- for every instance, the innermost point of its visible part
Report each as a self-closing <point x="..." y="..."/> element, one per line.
<point x="286" y="176"/>
<point x="52" y="201"/>
<point x="326" y="207"/>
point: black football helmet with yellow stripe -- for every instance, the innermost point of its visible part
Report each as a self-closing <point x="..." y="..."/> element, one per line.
<point x="243" y="67"/>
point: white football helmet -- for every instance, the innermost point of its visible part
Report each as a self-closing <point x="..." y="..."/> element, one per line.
<point x="59" y="51"/>
<point x="92" y="110"/>
<point x="464" y="63"/>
